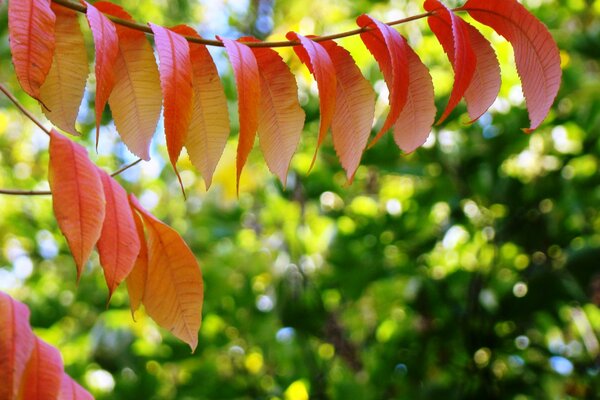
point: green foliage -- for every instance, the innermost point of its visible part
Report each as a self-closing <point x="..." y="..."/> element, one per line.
<point x="468" y="269"/>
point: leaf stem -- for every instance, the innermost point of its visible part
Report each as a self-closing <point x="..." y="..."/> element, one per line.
<point x="22" y="108"/>
<point x="209" y="42"/>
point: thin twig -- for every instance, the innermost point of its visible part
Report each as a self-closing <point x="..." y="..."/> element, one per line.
<point x="126" y="167"/>
<point x="16" y="192"/>
<point x="22" y="108"/>
<point x="284" y="43"/>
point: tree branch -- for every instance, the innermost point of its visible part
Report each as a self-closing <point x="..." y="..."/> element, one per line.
<point x="285" y="43"/>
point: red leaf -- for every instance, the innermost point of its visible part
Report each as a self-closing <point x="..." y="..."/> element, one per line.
<point x="536" y="54"/>
<point x="247" y="79"/>
<point x="43" y="374"/>
<point x="16" y="344"/>
<point x="281" y="117"/>
<point x="454" y="37"/>
<point x="485" y="86"/>
<point x="136" y="98"/>
<point x="390" y="51"/>
<point x="107" y="51"/>
<point x="119" y="244"/>
<point x="174" y="290"/>
<point x="71" y="390"/>
<point x="31" y="30"/>
<point x="62" y="92"/>
<point x="417" y="117"/>
<point x="176" y="82"/>
<point x="354" y="109"/>
<point x="319" y="63"/>
<point x="209" y="127"/>
<point x="77" y="196"/>
<point x="136" y="281"/>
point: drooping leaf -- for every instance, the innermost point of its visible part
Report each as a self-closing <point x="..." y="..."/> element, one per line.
<point x="209" y="127"/>
<point x="390" y="51"/>
<point x="136" y="281"/>
<point x="16" y="344"/>
<point x="281" y="117"/>
<point x="485" y="85"/>
<point x="136" y="100"/>
<point x="414" y="123"/>
<point x="318" y="62"/>
<point x="174" y="291"/>
<point x="119" y="244"/>
<point x="31" y="30"/>
<point x="62" y="92"/>
<point x="536" y="54"/>
<point x="354" y="109"/>
<point x="247" y="80"/>
<point x="176" y="82"/>
<point x="43" y="374"/>
<point x="106" y="42"/>
<point x="71" y="390"/>
<point x="454" y="37"/>
<point x="77" y="196"/>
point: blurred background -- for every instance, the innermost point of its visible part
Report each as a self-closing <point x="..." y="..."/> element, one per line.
<point x="469" y="269"/>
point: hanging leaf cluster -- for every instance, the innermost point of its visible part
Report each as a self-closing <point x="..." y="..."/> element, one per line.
<point x="30" y="368"/>
<point x="94" y="211"/>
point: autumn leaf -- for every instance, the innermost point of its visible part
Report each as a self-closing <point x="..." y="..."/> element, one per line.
<point x="119" y="244"/>
<point x="281" y="117"/>
<point x="390" y="51"/>
<point x="418" y="115"/>
<point x="485" y="85"/>
<point x="176" y="82"/>
<point x="62" y="92"/>
<point x="136" y="280"/>
<point x="71" y="390"/>
<point x="16" y="344"/>
<point x="247" y="80"/>
<point x="77" y="196"/>
<point x="136" y="100"/>
<point x="318" y="62"/>
<point x="354" y="109"/>
<point x="454" y="37"/>
<point x="174" y="292"/>
<point x="536" y="54"/>
<point x="209" y="127"/>
<point x="43" y="374"/>
<point x="31" y="34"/>
<point x="106" y="42"/>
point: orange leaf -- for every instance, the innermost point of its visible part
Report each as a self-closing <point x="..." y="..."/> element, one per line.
<point x="71" y="390"/>
<point x="454" y="37"/>
<point x="536" y="54"/>
<point x="77" y="196"/>
<point x="390" y="51"/>
<point x="485" y="86"/>
<point x="16" y="344"/>
<point x="136" y="99"/>
<point x="62" y="92"/>
<point x="174" y="290"/>
<point x="136" y="281"/>
<point x="354" y="109"/>
<point x="209" y="128"/>
<point x="43" y="374"/>
<point x="281" y="117"/>
<point x="318" y="62"/>
<point x="107" y="51"/>
<point x="414" y="123"/>
<point x="119" y="244"/>
<point x="31" y="30"/>
<point x="176" y="82"/>
<point x="247" y="79"/>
